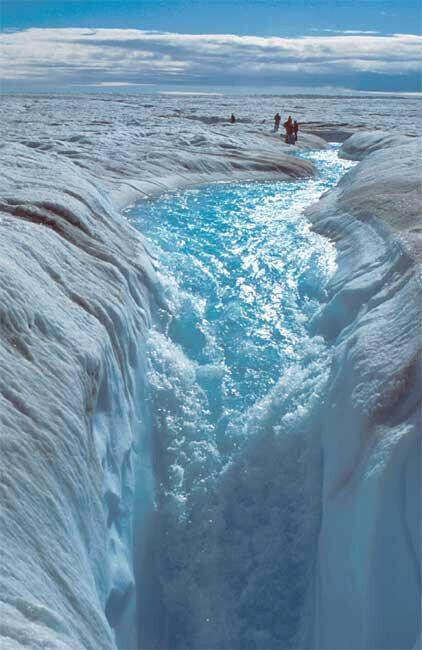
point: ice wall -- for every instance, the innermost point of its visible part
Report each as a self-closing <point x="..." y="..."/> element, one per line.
<point x="368" y="578"/>
<point x="76" y="291"/>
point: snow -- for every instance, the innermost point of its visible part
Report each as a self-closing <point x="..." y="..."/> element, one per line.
<point x="78" y="292"/>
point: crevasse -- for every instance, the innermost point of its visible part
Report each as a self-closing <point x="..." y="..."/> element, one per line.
<point x="77" y="293"/>
<point x="77" y="290"/>
<point x="237" y="385"/>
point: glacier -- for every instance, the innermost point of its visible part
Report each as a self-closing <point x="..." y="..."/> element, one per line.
<point x="368" y="577"/>
<point x="79" y="292"/>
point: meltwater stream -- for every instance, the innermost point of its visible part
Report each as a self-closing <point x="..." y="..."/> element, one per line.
<point x="237" y="382"/>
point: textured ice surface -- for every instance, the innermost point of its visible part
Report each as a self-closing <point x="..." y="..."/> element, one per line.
<point x="368" y="577"/>
<point x="362" y="144"/>
<point x="74" y="307"/>
<point x="77" y="290"/>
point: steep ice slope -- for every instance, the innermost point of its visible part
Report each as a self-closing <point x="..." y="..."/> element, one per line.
<point x="368" y="580"/>
<point x="77" y="286"/>
<point x="75" y="291"/>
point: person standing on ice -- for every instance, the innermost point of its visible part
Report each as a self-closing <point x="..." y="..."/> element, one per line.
<point x="290" y="136"/>
<point x="232" y="118"/>
<point x="277" y="120"/>
<point x="295" y="129"/>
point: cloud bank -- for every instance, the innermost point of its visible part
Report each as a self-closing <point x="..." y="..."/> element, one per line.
<point x="57" y="58"/>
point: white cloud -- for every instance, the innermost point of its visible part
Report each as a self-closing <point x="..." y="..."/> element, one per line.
<point x="112" y="84"/>
<point x="128" y="56"/>
<point x="345" y="31"/>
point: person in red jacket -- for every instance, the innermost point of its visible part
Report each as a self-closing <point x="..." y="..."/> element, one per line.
<point x="288" y="125"/>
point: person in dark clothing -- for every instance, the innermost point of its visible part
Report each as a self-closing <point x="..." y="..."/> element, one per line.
<point x="277" y="120"/>
<point x="295" y="129"/>
<point x="232" y="118"/>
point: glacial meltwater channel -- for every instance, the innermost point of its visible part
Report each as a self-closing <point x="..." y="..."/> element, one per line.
<point x="237" y="382"/>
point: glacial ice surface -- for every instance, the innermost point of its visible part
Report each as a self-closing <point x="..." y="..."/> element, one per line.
<point x="79" y="291"/>
<point x="368" y="575"/>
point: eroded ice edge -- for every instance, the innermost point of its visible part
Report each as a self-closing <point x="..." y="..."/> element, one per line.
<point x="79" y="292"/>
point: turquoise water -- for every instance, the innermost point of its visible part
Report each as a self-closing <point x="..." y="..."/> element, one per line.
<point x="236" y="380"/>
<point x="246" y="275"/>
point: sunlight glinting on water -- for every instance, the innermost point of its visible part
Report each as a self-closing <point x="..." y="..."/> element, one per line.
<point x="247" y="274"/>
<point x="236" y="385"/>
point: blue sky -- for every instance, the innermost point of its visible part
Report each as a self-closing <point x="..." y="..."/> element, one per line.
<point x="353" y="44"/>
<point x="245" y="17"/>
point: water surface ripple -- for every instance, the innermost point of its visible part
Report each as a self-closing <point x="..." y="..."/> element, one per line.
<point x="244" y="275"/>
<point x="236" y="384"/>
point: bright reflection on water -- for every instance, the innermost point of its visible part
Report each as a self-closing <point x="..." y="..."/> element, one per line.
<point x="249" y="274"/>
<point x="236" y="387"/>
